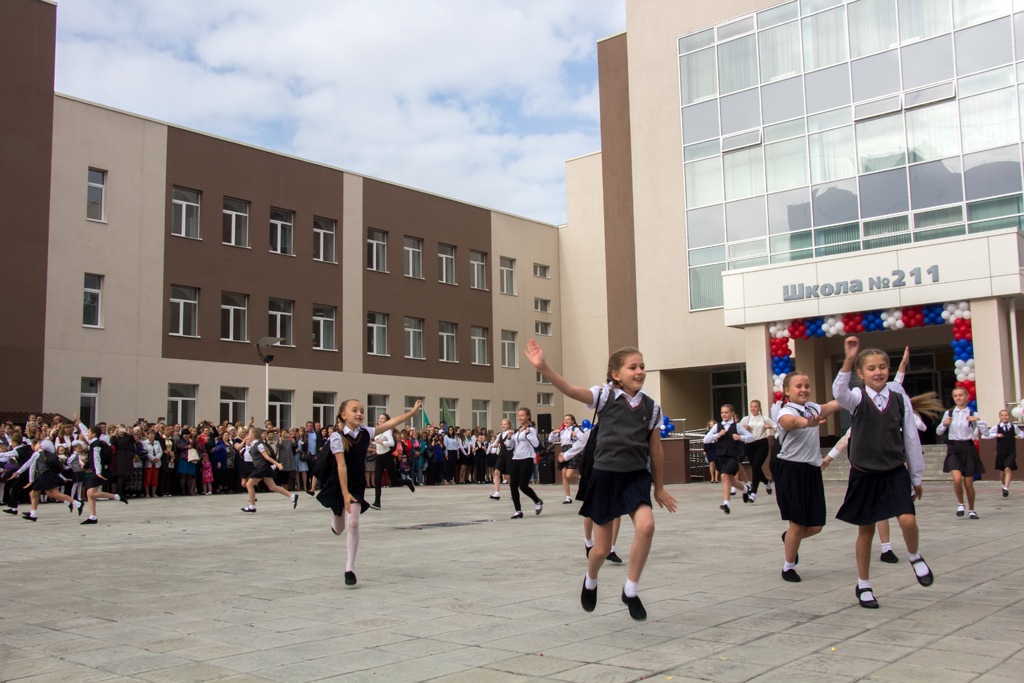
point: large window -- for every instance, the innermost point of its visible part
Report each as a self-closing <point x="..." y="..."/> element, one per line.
<point x="416" y="421"/>
<point x="232" y="404"/>
<point x="376" y="405"/>
<point x="233" y="308"/>
<point x="324" y="233"/>
<point x="323" y="407"/>
<point x="478" y="270"/>
<point x="509" y="349"/>
<point x="449" y="410"/>
<point x="185" y="213"/>
<point x="280" y="403"/>
<point x="235" y="222"/>
<point x="413" y="251"/>
<point x="509" y="410"/>
<point x="377" y="334"/>
<point x="92" y="300"/>
<point x="446" y="264"/>
<point x="507" y="274"/>
<point x="184" y="311"/>
<point x="89" y="401"/>
<point x="96" y="195"/>
<point x="478" y="345"/>
<point x="282" y="232"/>
<point x="377" y="250"/>
<point x="279" y="322"/>
<point x="323" y="327"/>
<point x="446" y="342"/>
<point x="481" y="408"/>
<point x="414" y="338"/>
<point x="181" y="404"/>
<point x="825" y="39"/>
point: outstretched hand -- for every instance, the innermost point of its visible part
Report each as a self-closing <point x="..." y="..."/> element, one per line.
<point x="905" y="361"/>
<point x="534" y="353"/>
<point x="852" y="346"/>
<point x="664" y="500"/>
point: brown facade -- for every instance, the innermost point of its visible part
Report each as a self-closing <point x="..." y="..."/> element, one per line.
<point x="401" y="212"/>
<point x="27" y="42"/>
<point x="617" y="173"/>
<point x="219" y="169"/>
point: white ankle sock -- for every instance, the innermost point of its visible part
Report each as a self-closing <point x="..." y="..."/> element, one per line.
<point x="786" y="566"/>
<point x="629" y="589"/>
<point x="589" y="583"/>
<point x="725" y="502"/>
<point x="920" y="568"/>
<point x="886" y="547"/>
<point x="612" y="550"/>
<point x="588" y="542"/>
<point x="863" y="583"/>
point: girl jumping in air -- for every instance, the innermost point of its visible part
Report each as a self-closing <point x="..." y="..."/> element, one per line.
<point x="886" y="461"/>
<point x="620" y="482"/>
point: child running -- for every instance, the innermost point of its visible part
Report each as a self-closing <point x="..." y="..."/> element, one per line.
<point x="620" y="481"/>
<point x="263" y="464"/>
<point x="886" y="461"/>
<point x="45" y="474"/>
<point x="729" y="437"/>
<point x="1006" y="434"/>
<point x="962" y="459"/>
<point x="98" y="473"/>
<point x="799" y="490"/>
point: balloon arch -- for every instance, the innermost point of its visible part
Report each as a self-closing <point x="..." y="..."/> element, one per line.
<point x="956" y="314"/>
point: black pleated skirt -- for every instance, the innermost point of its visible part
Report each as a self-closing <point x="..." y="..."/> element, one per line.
<point x="799" y="492"/>
<point x="874" y="496"/>
<point x="612" y="494"/>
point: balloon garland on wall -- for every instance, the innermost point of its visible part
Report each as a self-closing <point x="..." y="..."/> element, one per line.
<point x="956" y="314"/>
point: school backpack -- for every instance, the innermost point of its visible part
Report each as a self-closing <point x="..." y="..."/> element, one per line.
<point x="325" y="462"/>
<point x="51" y="460"/>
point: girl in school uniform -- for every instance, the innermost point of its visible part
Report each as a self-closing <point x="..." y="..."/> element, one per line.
<point x="344" y="489"/>
<point x="502" y="459"/>
<point x="628" y="458"/>
<point x="1006" y="434"/>
<point x="98" y="473"/>
<point x="263" y="464"/>
<point x="522" y="443"/>
<point x="729" y="438"/>
<point x="760" y="427"/>
<point x="799" y="490"/>
<point x="886" y="461"/>
<point x="962" y="460"/>
<point x="566" y="435"/>
<point x="45" y="476"/>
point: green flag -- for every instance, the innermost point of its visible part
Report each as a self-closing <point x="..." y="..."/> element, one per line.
<point x="446" y="415"/>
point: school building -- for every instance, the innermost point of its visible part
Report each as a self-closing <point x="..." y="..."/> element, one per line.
<point x="144" y="262"/>
<point x="776" y="175"/>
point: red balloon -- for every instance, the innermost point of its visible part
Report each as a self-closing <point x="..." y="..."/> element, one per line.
<point x="969" y="336"/>
<point x="778" y="395"/>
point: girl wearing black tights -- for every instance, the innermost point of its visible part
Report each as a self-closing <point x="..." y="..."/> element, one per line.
<point x="760" y="428"/>
<point x="523" y="444"/>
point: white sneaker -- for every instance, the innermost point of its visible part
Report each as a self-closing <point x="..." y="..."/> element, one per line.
<point x="753" y="497"/>
<point x="732" y="490"/>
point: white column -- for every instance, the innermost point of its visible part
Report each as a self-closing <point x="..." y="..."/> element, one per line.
<point x="993" y="365"/>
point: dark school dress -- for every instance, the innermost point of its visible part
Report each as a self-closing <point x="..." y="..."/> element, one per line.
<point x="879" y="485"/>
<point x="49" y="476"/>
<point x="93" y="479"/>
<point x="330" y="495"/>
<point x="962" y="456"/>
<point x="728" y="451"/>
<point x="1006" y="447"/>
<point x="260" y="465"/>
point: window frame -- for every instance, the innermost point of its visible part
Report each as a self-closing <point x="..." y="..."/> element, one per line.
<point x="325" y="233"/>
<point x="93" y="397"/>
<point x="234" y="414"/>
<point x="183" y="206"/>
<point x="324" y="410"/>
<point x="480" y="412"/>
<point x="376" y="250"/>
<point x="285" y="404"/>
<point x="412" y="257"/>
<point x="446" y="264"/>
<point x="375" y="407"/>
<point x="541" y="305"/>
<point x="97" y="291"/>
<point x="542" y="328"/>
<point x="234" y="215"/>
<point x="190" y="306"/>
<point x="478" y="345"/>
<point x="101" y="187"/>
<point x="509" y="349"/>
<point x="542" y="271"/>
<point x="413" y="337"/>
<point x="281" y="323"/>
<point x="323" y="321"/>
<point x="283" y="230"/>
<point x="545" y="398"/>
<point x="478" y="270"/>
<point x="507" y="275"/>
<point x="447" y="340"/>
<point x="376" y="333"/>
<point x="179" y="402"/>
<point x="232" y="310"/>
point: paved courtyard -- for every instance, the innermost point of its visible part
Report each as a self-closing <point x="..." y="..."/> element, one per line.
<point x="451" y="589"/>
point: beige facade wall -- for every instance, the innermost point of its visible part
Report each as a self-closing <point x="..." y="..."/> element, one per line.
<point x="126" y="249"/>
<point x="528" y="243"/>
<point x="583" y="283"/>
<point x="352" y="328"/>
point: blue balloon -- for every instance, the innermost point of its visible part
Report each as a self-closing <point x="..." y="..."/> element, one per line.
<point x="586" y="424"/>
<point x="973" y="404"/>
<point x="664" y="432"/>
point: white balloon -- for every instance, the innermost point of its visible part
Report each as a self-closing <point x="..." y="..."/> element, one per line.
<point x="945" y="315"/>
<point x="1017" y="412"/>
<point x="961" y="376"/>
<point x="967" y="315"/>
<point x="963" y="306"/>
<point x="959" y="364"/>
<point x="772" y="330"/>
<point x="971" y="376"/>
<point x="950" y="307"/>
<point x="958" y="314"/>
<point x="841" y="327"/>
<point x="900" y="324"/>
<point x="786" y="334"/>
<point x="898" y="315"/>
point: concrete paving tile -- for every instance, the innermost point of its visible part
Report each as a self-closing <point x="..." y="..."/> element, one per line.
<point x="212" y="650"/>
<point x="325" y="667"/>
<point x="148" y="662"/>
<point x="35" y="666"/>
<point x="186" y="673"/>
<point x="474" y="657"/>
<point x="651" y="661"/>
<point x="990" y="648"/>
<point x="914" y="673"/>
<point x="790" y="674"/>
<point x="951" y="661"/>
<point x="599" y="673"/>
<point x="836" y="664"/>
<point x="585" y="652"/>
<point x="715" y="668"/>
<point x="483" y="676"/>
<point x="77" y="673"/>
<point x="893" y="636"/>
<point x="532" y="665"/>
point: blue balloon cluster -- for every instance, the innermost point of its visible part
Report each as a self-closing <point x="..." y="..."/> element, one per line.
<point x="933" y="314"/>
<point x="973" y="404"/>
<point x="782" y="365"/>
<point x="666" y="426"/>
<point x="872" y="321"/>
<point x="814" y="327"/>
<point x="963" y="349"/>
<point x="586" y="425"/>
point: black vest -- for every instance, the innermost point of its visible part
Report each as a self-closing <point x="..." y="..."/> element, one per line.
<point x="1006" y="445"/>
<point x="625" y="431"/>
<point x="727" y="445"/>
<point x="876" y="439"/>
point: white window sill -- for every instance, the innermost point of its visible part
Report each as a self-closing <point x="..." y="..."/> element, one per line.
<point x="280" y="253"/>
<point x="92" y="327"/>
<point x="320" y="260"/>
<point x="235" y="341"/>
<point x="96" y="220"/>
<point x="379" y="355"/>
<point x="317" y="348"/>
<point x="186" y="336"/>
<point x="415" y="357"/>
<point x="443" y="360"/>
<point x="186" y="237"/>
<point x="237" y="246"/>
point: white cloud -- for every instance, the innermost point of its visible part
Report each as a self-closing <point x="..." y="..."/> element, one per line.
<point x="475" y="100"/>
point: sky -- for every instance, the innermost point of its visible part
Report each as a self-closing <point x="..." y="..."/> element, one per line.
<point x="480" y="100"/>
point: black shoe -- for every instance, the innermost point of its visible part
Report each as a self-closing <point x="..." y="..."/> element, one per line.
<point x="309" y="492"/>
<point x="350" y="578"/>
<point x="960" y="511"/>
<point x="791" y="576"/>
<point x="295" y="500"/>
<point x="613" y="558"/>
<point x="248" y="509"/>
<point x="28" y="517"/>
<point x="71" y="507"/>
<point x="1006" y="493"/>
<point x="768" y="488"/>
<point x="375" y="505"/>
<point x="11" y="511"/>
<point x="587" y="549"/>
<point x="972" y="515"/>
<point x="412" y="486"/>
<point x="890" y="557"/>
<point x="929" y="578"/>
<point x="495" y="496"/>
<point x="588" y="598"/>
<point x="636" y="608"/>
<point x="870" y="604"/>
<point x="538" y="507"/>
<point x="91" y="521"/>
<point x="124" y="498"/>
<point x="724" y="508"/>
<point x="746" y="496"/>
<point x="334" y="532"/>
<point x="517" y="515"/>
<point x="567" y="501"/>
<point x="797" y="559"/>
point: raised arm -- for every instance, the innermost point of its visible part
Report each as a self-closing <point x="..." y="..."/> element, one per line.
<point x="395" y="421"/>
<point x="536" y="357"/>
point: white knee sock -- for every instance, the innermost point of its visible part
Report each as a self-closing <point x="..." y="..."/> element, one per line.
<point x="352" y="542"/>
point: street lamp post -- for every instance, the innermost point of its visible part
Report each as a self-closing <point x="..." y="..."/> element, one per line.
<point x="266" y="342"/>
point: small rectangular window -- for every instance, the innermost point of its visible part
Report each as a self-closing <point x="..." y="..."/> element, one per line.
<point x="282" y="232"/>
<point x="541" y="379"/>
<point x="446" y="264"/>
<point x="181" y="404"/>
<point x="235" y="222"/>
<point x="478" y="272"/>
<point x="542" y="305"/>
<point x="507" y="274"/>
<point x="324" y="234"/>
<point x="376" y="405"/>
<point x="446" y="334"/>
<point x="545" y="398"/>
<point x="88" y="400"/>
<point x="232" y="404"/>
<point x="481" y="408"/>
<point x="184" y="311"/>
<point x="280" y="319"/>
<point x="92" y="301"/>
<point x="185" y="213"/>
<point x="280" y="403"/>
<point x="377" y="250"/>
<point x="542" y="328"/>
<point x="323" y="407"/>
<point x="413" y="257"/>
<point x="509" y="349"/>
<point x="509" y="410"/>
<point x="478" y="339"/>
<point x="540" y="270"/>
<point x="233" y="309"/>
<point x="414" y="338"/>
<point x="96" y="194"/>
<point x="323" y="327"/>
